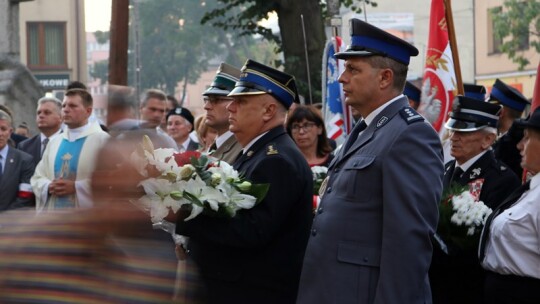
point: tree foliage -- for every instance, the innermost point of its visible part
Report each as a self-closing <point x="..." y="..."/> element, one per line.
<point x="174" y="46"/>
<point x="100" y="70"/>
<point x="245" y="16"/>
<point x="518" y="26"/>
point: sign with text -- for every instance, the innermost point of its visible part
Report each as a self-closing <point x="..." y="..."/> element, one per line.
<point x="53" y="81"/>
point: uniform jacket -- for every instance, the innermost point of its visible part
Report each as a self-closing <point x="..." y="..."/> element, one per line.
<point x="228" y="151"/>
<point x="18" y="170"/>
<point x="505" y="149"/>
<point x="498" y="180"/>
<point x="32" y="146"/>
<point x="370" y="240"/>
<point x="256" y="257"/>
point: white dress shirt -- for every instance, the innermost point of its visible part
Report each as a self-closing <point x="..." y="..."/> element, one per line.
<point x="514" y="243"/>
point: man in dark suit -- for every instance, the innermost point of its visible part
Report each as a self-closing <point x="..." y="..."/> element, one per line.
<point x="456" y="276"/>
<point x="513" y="104"/>
<point x="226" y="147"/>
<point x="16" y="169"/>
<point x="256" y="257"/>
<point x="370" y="241"/>
<point x="49" y="123"/>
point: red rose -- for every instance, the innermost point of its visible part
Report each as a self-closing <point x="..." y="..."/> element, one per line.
<point x="185" y="157"/>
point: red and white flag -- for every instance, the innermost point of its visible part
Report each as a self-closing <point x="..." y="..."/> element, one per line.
<point x="439" y="81"/>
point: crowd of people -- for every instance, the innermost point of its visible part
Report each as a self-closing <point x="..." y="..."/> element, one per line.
<point x="73" y="232"/>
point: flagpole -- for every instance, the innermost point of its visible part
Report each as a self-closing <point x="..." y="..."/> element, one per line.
<point x="307" y="59"/>
<point x="453" y="45"/>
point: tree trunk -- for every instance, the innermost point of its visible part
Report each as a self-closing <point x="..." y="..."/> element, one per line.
<point x="290" y="24"/>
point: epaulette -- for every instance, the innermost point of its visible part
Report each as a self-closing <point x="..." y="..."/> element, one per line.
<point x="410" y="115"/>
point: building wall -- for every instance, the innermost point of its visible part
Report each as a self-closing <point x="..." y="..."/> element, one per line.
<point x="491" y="66"/>
<point x="69" y="11"/>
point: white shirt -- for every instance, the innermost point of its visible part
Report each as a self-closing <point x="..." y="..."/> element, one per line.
<point x="514" y="242"/>
<point x="466" y="165"/>
<point x="246" y="148"/>
<point x="223" y="138"/>
<point x="4" y="153"/>
<point x="371" y="116"/>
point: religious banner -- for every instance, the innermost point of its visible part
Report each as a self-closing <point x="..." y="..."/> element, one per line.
<point x="439" y="81"/>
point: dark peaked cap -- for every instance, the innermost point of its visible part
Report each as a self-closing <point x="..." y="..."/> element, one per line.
<point x="226" y="78"/>
<point x="532" y="122"/>
<point x="369" y="40"/>
<point x="470" y="114"/>
<point x="508" y="96"/>
<point x="257" y="78"/>
<point x="475" y="91"/>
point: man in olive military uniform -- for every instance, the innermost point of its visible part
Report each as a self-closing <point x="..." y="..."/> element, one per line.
<point x="370" y="240"/>
<point x="256" y="257"/>
<point x="225" y="147"/>
<point x="456" y="276"/>
<point x="513" y="104"/>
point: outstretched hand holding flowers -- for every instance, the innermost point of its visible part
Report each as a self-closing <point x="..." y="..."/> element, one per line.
<point x="192" y="182"/>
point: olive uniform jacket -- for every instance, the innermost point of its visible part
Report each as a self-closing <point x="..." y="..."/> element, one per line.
<point x="256" y="257"/>
<point x="370" y="241"/>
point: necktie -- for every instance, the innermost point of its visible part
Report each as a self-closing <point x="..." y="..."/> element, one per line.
<point x="456" y="176"/>
<point x="213" y="147"/>
<point x="44" y="143"/>
<point x="354" y="135"/>
<point x="512" y="198"/>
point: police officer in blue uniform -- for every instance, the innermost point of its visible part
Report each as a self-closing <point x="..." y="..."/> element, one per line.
<point x="370" y="240"/>
<point x="456" y="276"/>
<point x="513" y="104"/>
<point x="256" y="257"/>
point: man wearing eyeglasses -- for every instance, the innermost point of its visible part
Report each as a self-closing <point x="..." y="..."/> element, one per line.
<point x="226" y="147"/>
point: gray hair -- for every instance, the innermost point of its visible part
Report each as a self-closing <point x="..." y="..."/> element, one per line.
<point x="52" y="99"/>
<point x="490" y="130"/>
<point x="5" y="116"/>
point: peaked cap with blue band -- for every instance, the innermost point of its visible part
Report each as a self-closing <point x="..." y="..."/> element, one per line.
<point x="470" y="114"/>
<point x="508" y="96"/>
<point x="475" y="91"/>
<point x="369" y="40"/>
<point x="412" y="91"/>
<point x="226" y="78"/>
<point x="257" y="78"/>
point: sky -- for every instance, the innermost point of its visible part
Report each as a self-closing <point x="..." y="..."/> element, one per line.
<point x="97" y="15"/>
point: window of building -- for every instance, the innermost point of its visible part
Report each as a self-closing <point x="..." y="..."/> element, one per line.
<point x="494" y="42"/>
<point x="46" y="45"/>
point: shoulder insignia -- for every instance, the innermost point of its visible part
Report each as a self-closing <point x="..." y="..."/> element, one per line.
<point x="410" y="115"/>
<point x="270" y="150"/>
<point x="382" y="121"/>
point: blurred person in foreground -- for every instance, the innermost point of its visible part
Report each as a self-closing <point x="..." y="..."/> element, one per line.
<point x="62" y="177"/>
<point x="456" y="275"/>
<point x="256" y="256"/>
<point x="49" y="123"/>
<point x="225" y="147"/>
<point x="306" y="127"/>
<point x="513" y="104"/>
<point x="510" y="242"/>
<point x="16" y="169"/>
<point x="370" y="240"/>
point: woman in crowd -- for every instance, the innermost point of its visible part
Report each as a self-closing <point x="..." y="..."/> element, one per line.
<point x="511" y="237"/>
<point x="306" y="127"/>
<point x="207" y="135"/>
